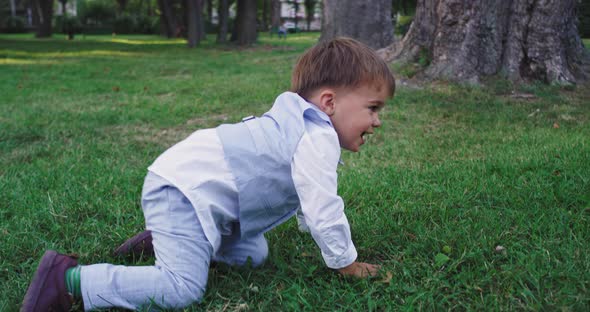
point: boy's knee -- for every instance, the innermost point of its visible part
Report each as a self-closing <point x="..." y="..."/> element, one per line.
<point x="260" y="256"/>
<point x="188" y="295"/>
<point x="259" y="252"/>
<point x="253" y="251"/>
<point x="188" y="289"/>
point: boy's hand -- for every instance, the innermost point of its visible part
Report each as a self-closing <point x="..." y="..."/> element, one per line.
<point x="360" y="269"/>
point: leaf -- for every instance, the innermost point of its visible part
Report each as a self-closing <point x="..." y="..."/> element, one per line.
<point x="441" y="259"/>
<point x="387" y="278"/>
<point x="555" y="125"/>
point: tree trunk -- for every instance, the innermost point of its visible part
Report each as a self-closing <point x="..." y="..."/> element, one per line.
<point x="223" y="14"/>
<point x="524" y="39"/>
<point x="265" y="5"/>
<point x="309" y="11"/>
<point x="168" y="18"/>
<point x="12" y="8"/>
<point x="194" y="12"/>
<point x="122" y="5"/>
<point x="35" y="15"/>
<point x="275" y="16"/>
<point x="210" y="11"/>
<point x="201" y="22"/>
<point x="295" y="5"/>
<point x="369" y="23"/>
<point x="45" y="17"/>
<point x="63" y="7"/>
<point x="245" y="28"/>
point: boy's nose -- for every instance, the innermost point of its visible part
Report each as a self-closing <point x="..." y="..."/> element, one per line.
<point x="376" y="121"/>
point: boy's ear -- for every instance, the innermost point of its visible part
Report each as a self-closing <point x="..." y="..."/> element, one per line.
<point x="326" y="101"/>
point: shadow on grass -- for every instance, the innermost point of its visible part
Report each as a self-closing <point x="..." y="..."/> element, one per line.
<point x="20" y="51"/>
<point x="28" y="47"/>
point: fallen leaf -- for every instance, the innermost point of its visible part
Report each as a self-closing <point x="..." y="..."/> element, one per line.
<point x="555" y="125"/>
<point x="387" y="278"/>
<point x="116" y="88"/>
<point x="411" y="236"/>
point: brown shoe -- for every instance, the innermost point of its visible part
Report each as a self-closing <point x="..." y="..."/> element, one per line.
<point x="47" y="291"/>
<point x="140" y="244"/>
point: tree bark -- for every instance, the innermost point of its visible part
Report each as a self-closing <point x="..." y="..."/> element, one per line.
<point x="168" y="18"/>
<point x="194" y="22"/>
<point x="245" y="26"/>
<point x="45" y="17"/>
<point x="223" y="14"/>
<point x="523" y="39"/>
<point x="367" y="22"/>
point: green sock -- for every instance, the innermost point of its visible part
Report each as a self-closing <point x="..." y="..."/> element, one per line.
<point x="73" y="282"/>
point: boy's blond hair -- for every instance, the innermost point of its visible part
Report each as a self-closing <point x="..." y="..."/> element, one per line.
<point x="341" y="62"/>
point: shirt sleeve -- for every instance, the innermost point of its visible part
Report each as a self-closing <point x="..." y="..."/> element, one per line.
<point x="314" y="175"/>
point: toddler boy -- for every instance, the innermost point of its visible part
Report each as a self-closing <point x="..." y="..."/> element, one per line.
<point x="212" y="196"/>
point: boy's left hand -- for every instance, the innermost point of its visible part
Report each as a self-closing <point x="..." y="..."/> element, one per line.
<point x="360" y="269"/>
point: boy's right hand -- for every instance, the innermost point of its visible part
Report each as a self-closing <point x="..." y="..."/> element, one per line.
<point x="360" y="269"/>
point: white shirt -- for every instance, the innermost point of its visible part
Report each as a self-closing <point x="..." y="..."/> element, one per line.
<point x="314" y="175"/>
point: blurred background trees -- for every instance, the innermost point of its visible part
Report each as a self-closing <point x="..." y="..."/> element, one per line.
<point x="448" y="39"/>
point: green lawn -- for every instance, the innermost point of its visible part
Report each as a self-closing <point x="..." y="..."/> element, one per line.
<point x="453" y="173"/>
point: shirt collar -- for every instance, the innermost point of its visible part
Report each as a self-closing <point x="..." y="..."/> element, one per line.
<point x="312" y="107"/>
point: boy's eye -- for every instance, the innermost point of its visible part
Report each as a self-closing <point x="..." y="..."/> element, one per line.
<point x="375" y="108"/>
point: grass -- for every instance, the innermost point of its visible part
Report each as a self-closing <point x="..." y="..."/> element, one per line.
<point x="453" y="173"/>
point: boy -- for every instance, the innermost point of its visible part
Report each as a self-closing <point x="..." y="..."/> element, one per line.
<point x="213" y="196"/>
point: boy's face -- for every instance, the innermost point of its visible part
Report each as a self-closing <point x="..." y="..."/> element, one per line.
<point x="356" y="113"/>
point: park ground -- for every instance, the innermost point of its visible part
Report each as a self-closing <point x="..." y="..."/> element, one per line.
<point x="471" y="198"/>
